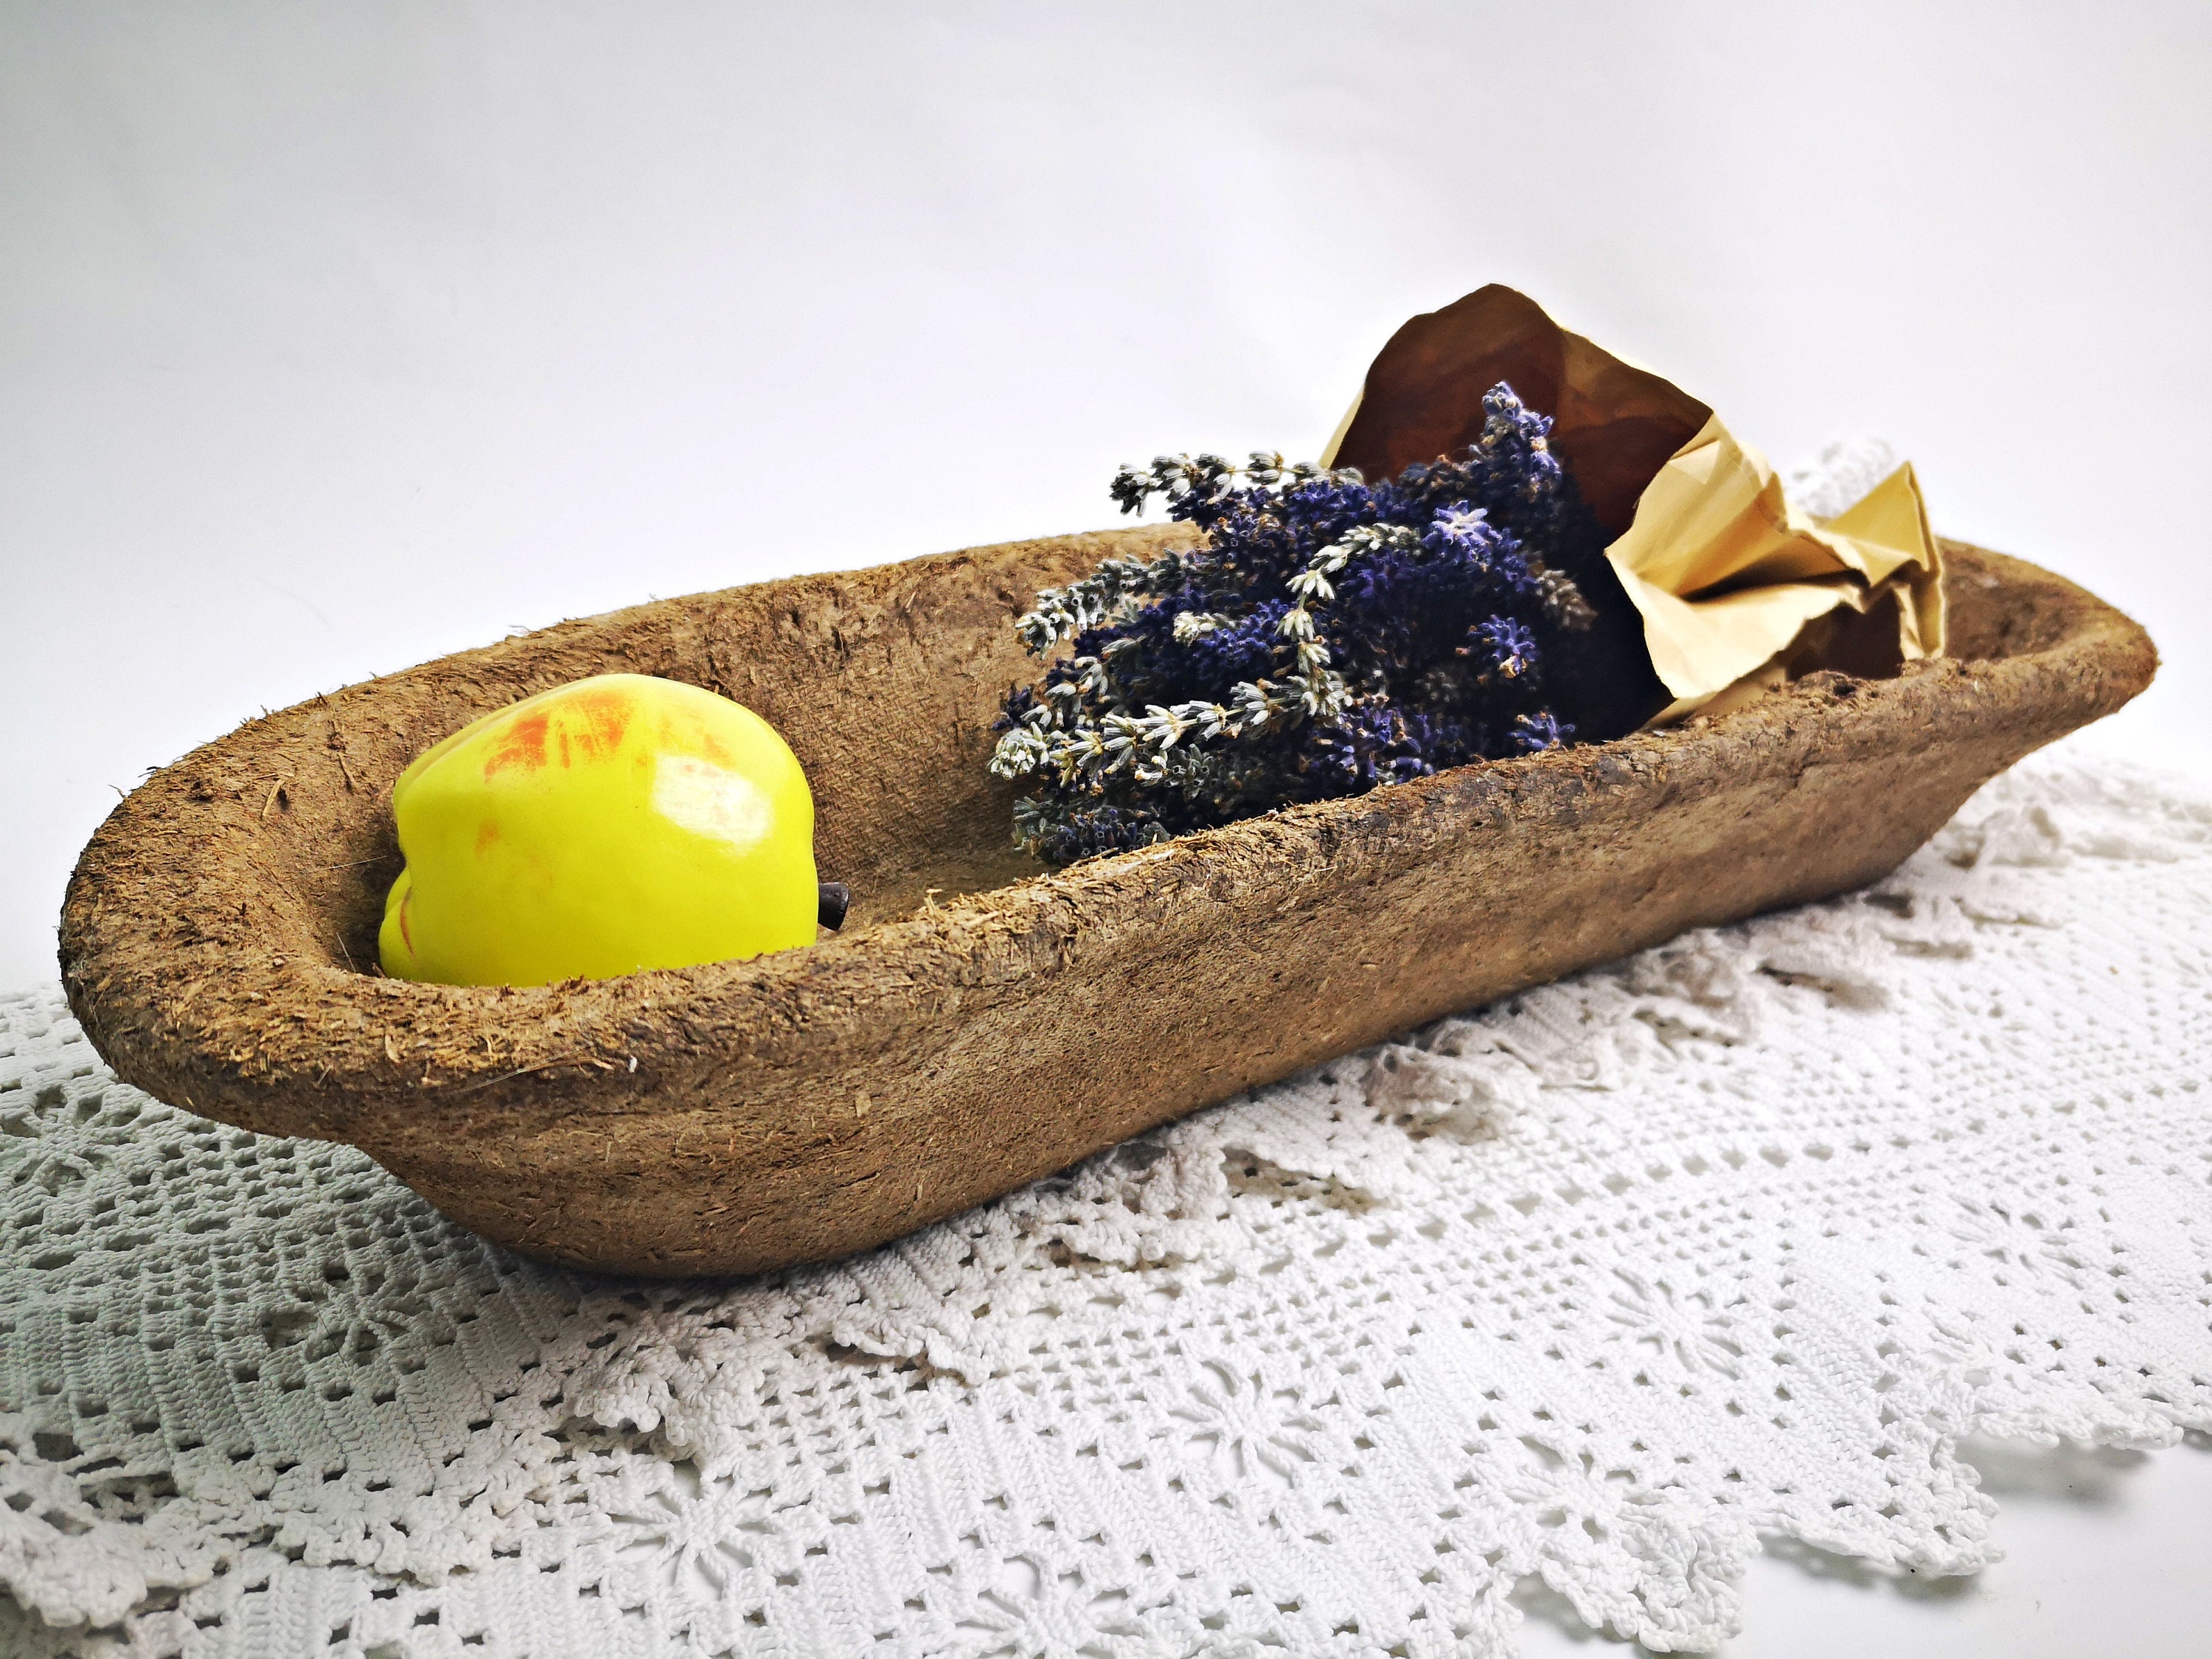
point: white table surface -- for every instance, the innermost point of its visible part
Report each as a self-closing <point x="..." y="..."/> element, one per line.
<point x="337" y="338"/>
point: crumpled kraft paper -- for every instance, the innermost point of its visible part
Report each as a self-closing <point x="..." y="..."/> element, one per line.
<point x="1737" y="589"/>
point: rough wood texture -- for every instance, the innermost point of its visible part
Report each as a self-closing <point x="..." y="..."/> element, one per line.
<point x="976" y="1024"/>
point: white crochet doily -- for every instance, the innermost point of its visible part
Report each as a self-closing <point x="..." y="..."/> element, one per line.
<point x="1735" y="1239"/>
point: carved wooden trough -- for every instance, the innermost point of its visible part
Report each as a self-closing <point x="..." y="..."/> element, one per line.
<point x="977" y="1024"/>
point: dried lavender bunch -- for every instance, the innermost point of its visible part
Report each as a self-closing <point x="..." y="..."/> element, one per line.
<point x="1328" y="636"/>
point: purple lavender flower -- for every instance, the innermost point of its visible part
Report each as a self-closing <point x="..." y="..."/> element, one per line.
<point x="1540" y="731"/>
<point x="1328" y="637"/>
<point x="1507" y="645"/>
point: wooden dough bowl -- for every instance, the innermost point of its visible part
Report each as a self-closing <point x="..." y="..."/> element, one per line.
<point x="978" y="1022"/>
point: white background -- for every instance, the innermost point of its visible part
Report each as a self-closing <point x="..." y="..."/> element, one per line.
<point x="335" y="338"/>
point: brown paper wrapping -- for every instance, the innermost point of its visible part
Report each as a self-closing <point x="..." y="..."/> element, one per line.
<point x="1737" y="589"/>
